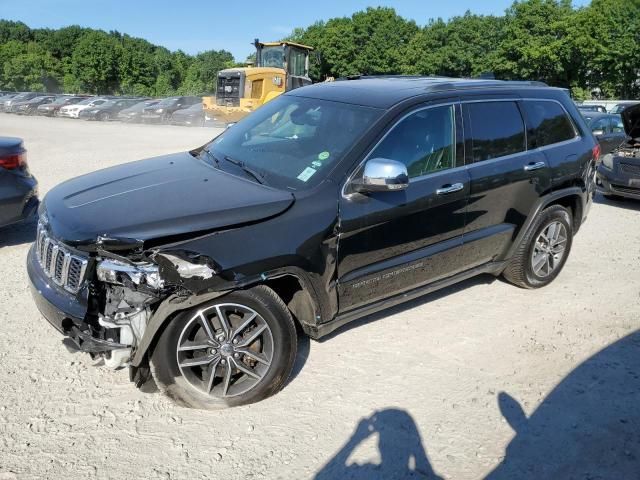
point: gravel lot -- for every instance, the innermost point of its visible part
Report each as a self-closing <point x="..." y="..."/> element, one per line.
<point x="441" y="384"/>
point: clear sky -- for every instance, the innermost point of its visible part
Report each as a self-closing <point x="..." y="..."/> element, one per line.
<point x="198" y="25"/>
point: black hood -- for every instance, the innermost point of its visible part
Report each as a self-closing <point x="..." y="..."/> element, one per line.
<point x="159" y="197"/>
<point x="631" y="120"/>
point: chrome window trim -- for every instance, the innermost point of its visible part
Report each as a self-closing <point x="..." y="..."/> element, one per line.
<point x="576" y="138"/>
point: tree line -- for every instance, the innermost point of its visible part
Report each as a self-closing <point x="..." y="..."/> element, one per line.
<point x="548" y="40"/>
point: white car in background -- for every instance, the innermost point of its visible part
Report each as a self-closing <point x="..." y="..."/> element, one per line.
<point x="72" y="111"/>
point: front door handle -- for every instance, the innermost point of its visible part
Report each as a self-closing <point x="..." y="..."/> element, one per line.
<point x="446" y="189"/>
<point x="534" y="166"/>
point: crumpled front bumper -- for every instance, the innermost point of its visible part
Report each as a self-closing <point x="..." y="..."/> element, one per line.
<point x="65" y="311"/>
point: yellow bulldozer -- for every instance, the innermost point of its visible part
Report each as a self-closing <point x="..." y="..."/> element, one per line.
<point x="279" y="67"/>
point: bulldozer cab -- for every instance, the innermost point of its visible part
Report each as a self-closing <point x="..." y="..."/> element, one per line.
<point x="291" y="57"/>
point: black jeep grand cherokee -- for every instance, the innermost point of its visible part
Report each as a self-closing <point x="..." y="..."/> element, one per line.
<point x="327" y="204"/>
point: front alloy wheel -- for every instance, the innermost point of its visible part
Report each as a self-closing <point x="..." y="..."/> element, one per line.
<point x="225" y="350"/>
<point x="234" y="350"/>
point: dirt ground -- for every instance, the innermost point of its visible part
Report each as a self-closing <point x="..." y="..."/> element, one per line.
<point x="479" y="380"/>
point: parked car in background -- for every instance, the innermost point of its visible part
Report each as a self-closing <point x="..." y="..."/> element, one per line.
<point x="18" y="188"/>
<point x="51" y="109"/>
<point x="619" y="171"/>
<point x="191" y="116"/>
<point x="30" y="107"/>
<point x="326" y="204"/>
<point x="618" y="108"/>
<point x="607" y="128"/>
<point x="134" y="113"/>
<point x="162" y="111"/>
<point x="108" y="110"/>
<point x="592" y="108"/>
<point x="73" y="111"/>
<point x="19" y="97"/>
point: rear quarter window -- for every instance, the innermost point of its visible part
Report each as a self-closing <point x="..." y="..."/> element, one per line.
<point x="547" y="123"/>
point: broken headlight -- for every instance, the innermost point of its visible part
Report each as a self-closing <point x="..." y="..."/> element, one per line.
<point x="118" y="273"/>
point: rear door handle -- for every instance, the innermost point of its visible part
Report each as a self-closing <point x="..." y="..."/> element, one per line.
<point x="445" y="190"/>
<point x="534" y="166"/>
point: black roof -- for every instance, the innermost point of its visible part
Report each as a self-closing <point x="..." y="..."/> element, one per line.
<point x="386" y="91"/>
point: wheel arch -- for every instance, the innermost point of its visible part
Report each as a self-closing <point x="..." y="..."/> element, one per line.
<point x="571" y="198"/>
<point x="293" y="288"/>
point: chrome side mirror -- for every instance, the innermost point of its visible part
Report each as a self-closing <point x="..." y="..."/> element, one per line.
<point x="382" y="175"/>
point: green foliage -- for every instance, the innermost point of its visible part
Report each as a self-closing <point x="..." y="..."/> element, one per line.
<point x="83" y="60"/>
<point x="548" y="40"/>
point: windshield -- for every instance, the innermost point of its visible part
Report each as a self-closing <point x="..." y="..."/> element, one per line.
<point x="273" y="57"/>
<point x="292" y="142"/>
<point x="141" y="105"/>
<point x="168" y="101"/>
<point x="86" y="102"/>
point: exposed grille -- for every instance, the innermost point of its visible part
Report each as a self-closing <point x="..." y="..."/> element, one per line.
<point x="630" y="168"/>
<point x="229" y="89"/>
<point x="64" y="268"/>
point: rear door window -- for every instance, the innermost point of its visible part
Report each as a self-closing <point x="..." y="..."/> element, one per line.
<point x="496" y="129"/>
<point x="547" y="123"/>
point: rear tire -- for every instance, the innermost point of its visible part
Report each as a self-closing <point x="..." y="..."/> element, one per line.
<point x="543" y="251"/>
<point x="228" y="371"/>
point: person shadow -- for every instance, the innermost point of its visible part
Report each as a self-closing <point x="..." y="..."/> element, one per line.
<point x="401" y="451"/>
<point x="588" y="427"/>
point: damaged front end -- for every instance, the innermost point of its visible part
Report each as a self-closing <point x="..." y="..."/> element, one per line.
<point x="127" y="291"/>
<point x="104" y="295"/>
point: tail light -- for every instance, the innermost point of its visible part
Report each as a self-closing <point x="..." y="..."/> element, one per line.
<point x="596" y="152"/>
<point x="14" y="161"/>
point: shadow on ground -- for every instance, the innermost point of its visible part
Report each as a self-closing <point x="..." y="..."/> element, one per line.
<point x="401" y="451"/>
<point x="588" y="427"/>
<point x="24" y="232"/>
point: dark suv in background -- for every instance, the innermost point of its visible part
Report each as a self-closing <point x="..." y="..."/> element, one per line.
<point x="162" y="111"/>
<point x="329" y="203"/>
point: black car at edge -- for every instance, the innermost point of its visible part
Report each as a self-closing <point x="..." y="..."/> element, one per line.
<point x="18" y="187"/>
<point x="329" y="203"/>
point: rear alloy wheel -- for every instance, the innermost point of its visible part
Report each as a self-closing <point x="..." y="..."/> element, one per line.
<point x="543" y="251"/>
<point x="234" y="350"/>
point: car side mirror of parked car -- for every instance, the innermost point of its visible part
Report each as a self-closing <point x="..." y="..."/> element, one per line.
<point x="382" y="175"/>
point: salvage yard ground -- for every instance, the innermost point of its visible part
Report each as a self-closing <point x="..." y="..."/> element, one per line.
<point x="441" y="380"/>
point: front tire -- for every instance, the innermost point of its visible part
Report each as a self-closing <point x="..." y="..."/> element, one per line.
<point x="543" y="251"/>
<point x="233" y="350"/>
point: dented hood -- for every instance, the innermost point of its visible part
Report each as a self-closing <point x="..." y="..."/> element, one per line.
<point x="631" y="120"/>
<point x="159" y="197"/>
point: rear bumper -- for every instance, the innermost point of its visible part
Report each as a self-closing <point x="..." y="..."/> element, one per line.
<point x="22" y="202"/>
<point x="615" y="182"/>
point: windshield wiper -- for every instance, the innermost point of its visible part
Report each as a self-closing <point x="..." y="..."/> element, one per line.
<point x="212" y="157"/>
<point x="239" y="163"/>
